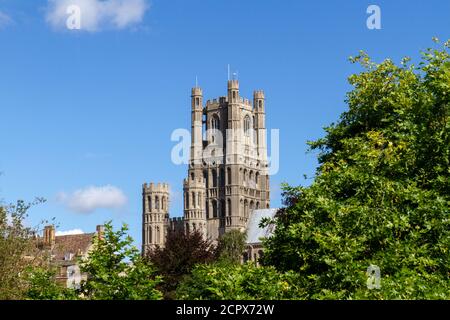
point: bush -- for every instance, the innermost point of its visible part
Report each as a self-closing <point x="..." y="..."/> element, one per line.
<point x="239" y="282"/>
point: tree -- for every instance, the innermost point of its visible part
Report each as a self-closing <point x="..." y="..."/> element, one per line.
<point x="116" y="270"/>
<point x="239" y="282"/>
<point x="231" y="246"/>
<point x="380" y="196"/>
<point x="179" y="255"/>
<point x="42" y="285"/>
<point x="18" y="251"/>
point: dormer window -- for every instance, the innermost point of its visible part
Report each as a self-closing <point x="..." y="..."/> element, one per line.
<point x="68" y="256"/>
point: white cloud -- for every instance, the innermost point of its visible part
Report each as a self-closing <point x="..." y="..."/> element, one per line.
<point x="91" y="198"/>
<point x="5" y="20"/>
<point x="97" y="15"/>
<point x="69" y="232"/>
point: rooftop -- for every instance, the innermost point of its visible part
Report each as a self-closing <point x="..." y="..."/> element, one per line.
<point x="254" y="232"/>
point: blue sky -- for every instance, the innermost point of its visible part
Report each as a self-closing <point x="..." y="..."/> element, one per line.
<point x="96" y="108"/>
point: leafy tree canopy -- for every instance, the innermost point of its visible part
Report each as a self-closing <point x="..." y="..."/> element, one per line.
<point x="179" y="255"/>
<point x="239" y="282"/>
<point x="230" y="246"/>
<point x="18" y="250"/>
<point x="381" y="193"/>
<point x="116" y="270"/>
<point x="42" y="285"/>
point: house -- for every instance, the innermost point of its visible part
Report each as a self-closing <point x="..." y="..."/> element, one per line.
<point x="65" y="252"/>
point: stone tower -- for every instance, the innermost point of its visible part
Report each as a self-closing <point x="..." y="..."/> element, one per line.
<point x="194" y="186"/>
<point x="227" y="174"/>
<point x="155" y="214"/>
<point x="229" y="151"/>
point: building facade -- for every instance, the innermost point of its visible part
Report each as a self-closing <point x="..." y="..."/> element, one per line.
<point x="227" y="176"/>
<point x="64" y="253"/>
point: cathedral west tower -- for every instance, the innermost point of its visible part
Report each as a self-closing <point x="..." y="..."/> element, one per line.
<point x="228" y="170"/>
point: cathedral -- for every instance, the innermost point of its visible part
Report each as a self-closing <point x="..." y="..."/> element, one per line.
<point x="227" y="179"/>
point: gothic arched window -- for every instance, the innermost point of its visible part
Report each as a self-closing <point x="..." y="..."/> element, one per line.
<point x="247" y="125"/>
<point x="229" y="175"/>
<point x="205" y="177"/>
<point x="214" y="177"/>
<point x="245" y="208"/>
<point x="158" y="235"/>
<point x="214" y="208"/>
<point x="254" y="131"/>
<point x="215" y="125"/>
<point x="164" y="203"/>
<point x="157" y="203"/>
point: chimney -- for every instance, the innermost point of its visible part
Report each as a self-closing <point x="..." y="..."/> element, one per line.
<point x="49" y="235"/>
<point x="100" y="231"/>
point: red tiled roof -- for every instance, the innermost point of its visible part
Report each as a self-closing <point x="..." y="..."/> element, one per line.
<point x="71" y="244"/>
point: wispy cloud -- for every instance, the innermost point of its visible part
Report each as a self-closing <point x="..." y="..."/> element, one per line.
<point x="89" y="199"/>
<point x="69" y="232"/>
<point x="98" y="15"/>
<point x="5" y="20"/>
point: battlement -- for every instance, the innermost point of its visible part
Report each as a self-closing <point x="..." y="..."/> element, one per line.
<point x="197" y="91"/>
<point x="212" y="102"/>
<point x="159" y="187"/>
<point x="176" y="224"/>
<point x="199" y="182"/>
<point x="233" y="84"/>
<point x="258" y="94"/>
<point x="216" y="101"/>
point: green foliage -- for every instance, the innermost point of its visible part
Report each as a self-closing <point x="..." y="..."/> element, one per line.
<point x="42" y="285"/>
<point x="230" y="246"/>
<point x="381" y="194"/>
<point x="239" y="282"/>
<point x="182" y="251"/>
<point x="116" y="270"/>
<point x="17" y="250"/>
